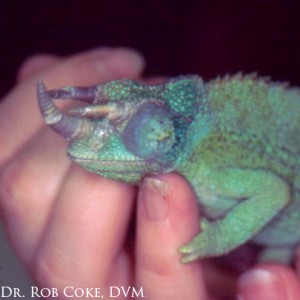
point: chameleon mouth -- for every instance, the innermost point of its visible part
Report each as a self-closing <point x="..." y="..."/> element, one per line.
<point x="130" y="171"/>
<point x="119" y="166"/>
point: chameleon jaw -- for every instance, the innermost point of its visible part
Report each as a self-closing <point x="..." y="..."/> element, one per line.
<point x="128" y="171"/>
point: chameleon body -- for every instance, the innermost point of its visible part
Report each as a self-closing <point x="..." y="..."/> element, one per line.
<point x="236" y="140"/>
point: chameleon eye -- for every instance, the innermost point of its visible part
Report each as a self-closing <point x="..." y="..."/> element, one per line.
<point x="150" y="132"/>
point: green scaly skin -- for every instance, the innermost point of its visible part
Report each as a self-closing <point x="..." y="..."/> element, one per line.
<point x="236" y="139"/>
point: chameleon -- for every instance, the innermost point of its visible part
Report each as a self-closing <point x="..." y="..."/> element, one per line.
<point x="236" y="139"/>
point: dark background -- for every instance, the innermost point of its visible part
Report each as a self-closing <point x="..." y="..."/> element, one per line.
<point x="177" y="37"/>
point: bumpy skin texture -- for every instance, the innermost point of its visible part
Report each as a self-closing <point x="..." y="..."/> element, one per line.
<point x="235" y="139"/>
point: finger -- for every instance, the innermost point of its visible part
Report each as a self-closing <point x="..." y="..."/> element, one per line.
<point x="269" y="281"/>
<point x="35" y="64"/>
<point x="167" y="219"/>
<point x="83" y="241"/>
<point x="19" y="114"/>
<point x="28" y="187"/>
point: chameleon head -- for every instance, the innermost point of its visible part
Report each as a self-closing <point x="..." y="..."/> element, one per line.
<point x="123" y="139"/>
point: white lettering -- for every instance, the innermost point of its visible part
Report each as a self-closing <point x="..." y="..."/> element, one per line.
<point x="137" y="294"/>
<point x="114" y="291"/>
<point x="66" y="291"/>
<point x="126" y="292"/>
<point x="7" y="292"/>
<point x="71" y="292"/>
<point x="44" y="292"/>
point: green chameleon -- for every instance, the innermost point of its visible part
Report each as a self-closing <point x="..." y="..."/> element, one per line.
<point x="236" y="140"/>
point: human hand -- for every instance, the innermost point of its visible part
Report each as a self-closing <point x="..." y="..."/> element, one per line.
<point x="68" y="226"/>
<point x="74" y="228"/>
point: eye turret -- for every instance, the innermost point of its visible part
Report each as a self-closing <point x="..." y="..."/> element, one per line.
<point x="150" y="132"/>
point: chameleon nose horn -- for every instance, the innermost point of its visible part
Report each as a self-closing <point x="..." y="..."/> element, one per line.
<point x="69" y="127"/>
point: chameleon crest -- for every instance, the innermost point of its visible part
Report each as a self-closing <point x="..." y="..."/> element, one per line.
<point x="235" y="139"/>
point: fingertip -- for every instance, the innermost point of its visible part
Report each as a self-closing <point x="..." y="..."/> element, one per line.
<point x="92" y="66"/>
<point x="153" y="199"/>
<point x="269" y="281"/>
<point x="124" y="59"/>
<point x="35" y="64"/>
<point x="110" y="63"/>
<point x="167" y="218"/>
<point x="169" y="199"/>
<point x="96" y="66"/>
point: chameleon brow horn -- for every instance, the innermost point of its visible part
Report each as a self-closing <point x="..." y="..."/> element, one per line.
<point x="70" y="127"/>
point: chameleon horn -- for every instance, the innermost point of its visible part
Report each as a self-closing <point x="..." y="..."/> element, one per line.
<point x="68" y="126"/>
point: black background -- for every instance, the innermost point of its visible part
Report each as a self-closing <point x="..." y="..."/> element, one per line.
<point x="176" y="37"/>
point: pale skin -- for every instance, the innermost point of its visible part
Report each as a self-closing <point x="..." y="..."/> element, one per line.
<point x="71" y="227"/>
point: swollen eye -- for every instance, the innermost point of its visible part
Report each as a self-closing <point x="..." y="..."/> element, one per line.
<point x="150" y="132"/>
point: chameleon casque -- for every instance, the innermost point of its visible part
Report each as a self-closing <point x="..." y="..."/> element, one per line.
<point x="236" y="139"/>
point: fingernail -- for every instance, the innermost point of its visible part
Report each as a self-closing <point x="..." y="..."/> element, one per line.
<point x="261" y="284"/>
<point x="133" y="56"/>
<point x="119" y="56"/>
<point x="153" y="195"/>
